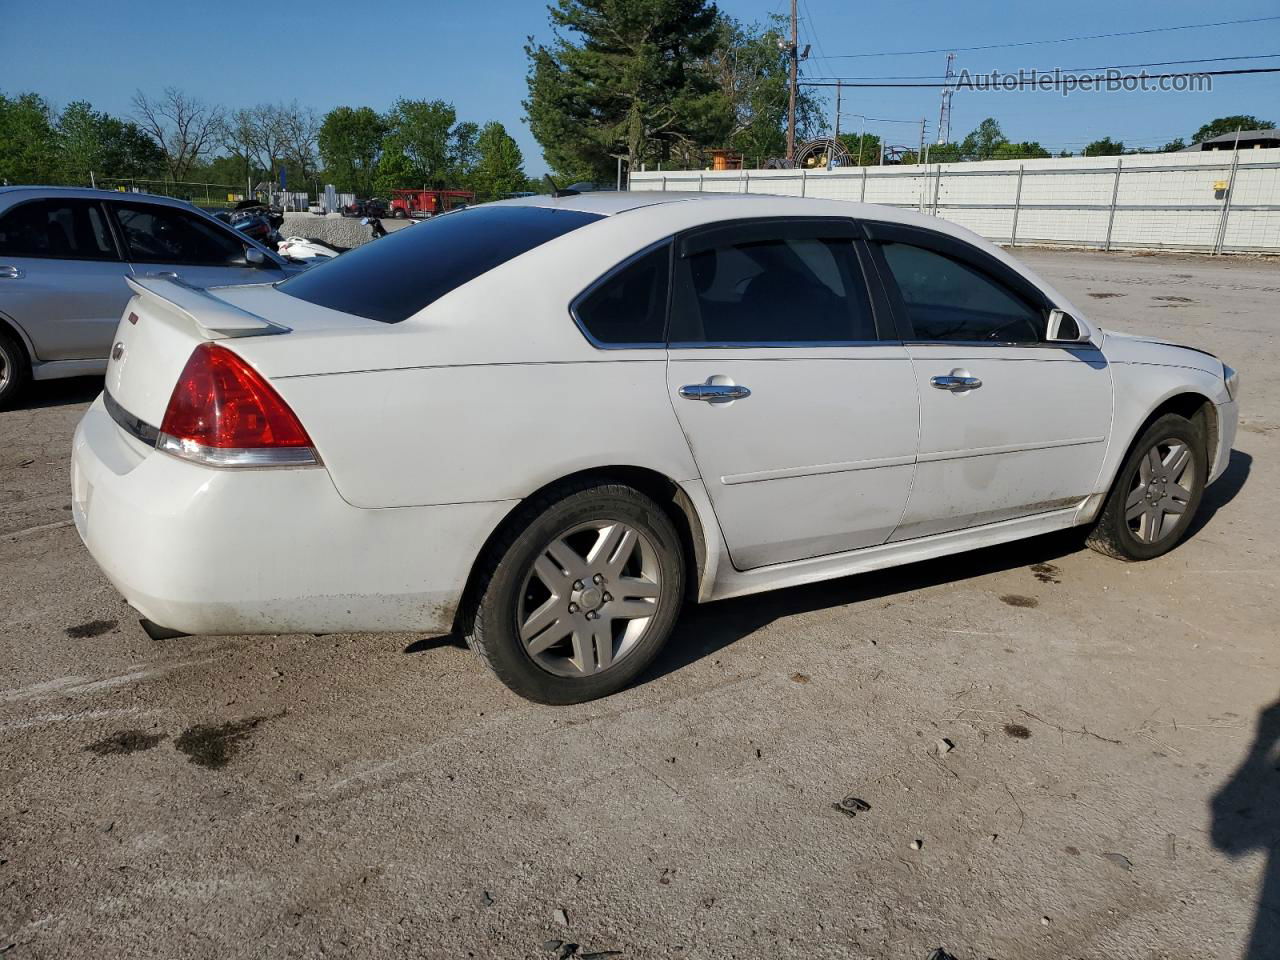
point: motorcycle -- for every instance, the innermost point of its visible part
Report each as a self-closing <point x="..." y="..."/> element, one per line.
<point x="300" y="248"/>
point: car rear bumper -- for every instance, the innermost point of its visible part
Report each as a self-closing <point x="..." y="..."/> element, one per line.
<point x="208" y="551"/>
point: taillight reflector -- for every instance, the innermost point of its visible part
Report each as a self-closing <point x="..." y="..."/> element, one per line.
<point x="224" y="413"/>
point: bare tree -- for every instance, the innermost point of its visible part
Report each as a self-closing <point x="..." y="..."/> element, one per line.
<point x="183" y="127"/>
<point x="301" y="132"/>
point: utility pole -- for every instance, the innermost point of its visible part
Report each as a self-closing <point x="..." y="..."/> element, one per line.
<point x="835" y="139"/>
<point x="794" y="53"/>
<point x="920" y="152"/>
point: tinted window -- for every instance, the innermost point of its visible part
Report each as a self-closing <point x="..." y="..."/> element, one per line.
<point x="786" y="290"/>
<point x="630" y="306"/>
<point x="155" y="234"/>
<point x="63" y="229"/>
<point x="948" y="300"/>
<point x="393" y="278"/>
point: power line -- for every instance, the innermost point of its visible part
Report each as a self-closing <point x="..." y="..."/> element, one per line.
<point x="1045" y="80"/>
<point x="1031" y="43"/>
<point x="1118" y="66"/>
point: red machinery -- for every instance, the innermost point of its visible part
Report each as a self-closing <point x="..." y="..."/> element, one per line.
<point x="428" y="203"/>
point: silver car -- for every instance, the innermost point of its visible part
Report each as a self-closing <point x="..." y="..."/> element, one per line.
<point x="64" y="256"/>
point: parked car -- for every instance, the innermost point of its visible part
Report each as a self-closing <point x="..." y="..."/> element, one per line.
<point x="65" y="254"/>
<point x="545" y="423"/>
<point x="372" y="207"/>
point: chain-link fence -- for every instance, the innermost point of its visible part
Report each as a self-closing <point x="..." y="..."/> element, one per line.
<point x="1210" y="202"/>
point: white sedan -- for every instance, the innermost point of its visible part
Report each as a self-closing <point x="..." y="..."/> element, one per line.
<point x="546" y="423"/>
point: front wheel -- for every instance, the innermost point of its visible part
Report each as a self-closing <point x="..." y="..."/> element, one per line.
<point x="1156" y="493"/>
<point x="580" y="599"/>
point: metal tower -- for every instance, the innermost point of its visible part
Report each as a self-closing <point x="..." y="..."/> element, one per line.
<point x="944" y="112"/>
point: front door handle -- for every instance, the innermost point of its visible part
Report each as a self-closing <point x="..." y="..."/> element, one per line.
<point x="714" y="392"/>
<point x="10" y="272"/>
<point x="955" y="383"/>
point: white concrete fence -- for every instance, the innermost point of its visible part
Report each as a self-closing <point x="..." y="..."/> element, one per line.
<point x="1209" y="202"/>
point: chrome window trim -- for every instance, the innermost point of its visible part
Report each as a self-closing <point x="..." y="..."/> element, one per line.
<point x="605" y="278"/>
<point x="136" y="427"/>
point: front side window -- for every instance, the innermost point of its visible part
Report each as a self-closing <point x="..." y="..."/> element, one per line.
<point x="790" y="289"/>
<point x="630" y="305"/>
<point x="156" y="234"/>
<point x="57" y="229"/>
<point x="392" y="279"/>
<point x="949" y="300"/>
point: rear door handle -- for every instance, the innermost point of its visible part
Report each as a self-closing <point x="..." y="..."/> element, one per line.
<point x="714" y="392"/>
<point x="955" y="383"/>
<point x="10" y="272"/>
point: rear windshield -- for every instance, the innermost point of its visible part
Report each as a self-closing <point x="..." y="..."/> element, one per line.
<point x="393" y="278"/>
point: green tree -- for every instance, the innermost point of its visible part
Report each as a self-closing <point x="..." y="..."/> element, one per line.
<point x="623" y="77"/>
<point x="28" y="140"/>
<point x="1239" y="121"/>
<point x="1026" y="150"/>
<point x="750" y="69"/>
<point x="982" y="143"/>
<point x="350" y="142"/>
<point x="1173" y="146"/>
<point x="864" y="148"/>
<point x="91" y="141"/>
<point x="499" y="168"/>
<point x="1106" y="147"/>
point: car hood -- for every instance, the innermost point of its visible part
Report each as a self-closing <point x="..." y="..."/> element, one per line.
<point x="1129" y="348"/>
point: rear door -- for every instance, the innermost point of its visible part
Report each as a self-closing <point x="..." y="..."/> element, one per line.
<point x="170" y="241"/>
<point x="62" y="277"/>
<point x="1010" y="425"/>
<point x="800" y="410"/>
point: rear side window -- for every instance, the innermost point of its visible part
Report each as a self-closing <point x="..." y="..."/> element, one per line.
<point x="629" y="306"/>
<point x="794" y="289"/>
<point x="156" y="234"/>
<point x="58" y="229"/>
<point x="391" y="279"/>
<point x="948" y="300"/>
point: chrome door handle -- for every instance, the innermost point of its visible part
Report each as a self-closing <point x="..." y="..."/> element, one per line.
<point x="714" y="392"/>
<point x="955" y="383"/>
<point x="8" y="272"/>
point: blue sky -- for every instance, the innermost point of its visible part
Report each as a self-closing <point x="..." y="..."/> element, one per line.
<point x="472" y="54"/>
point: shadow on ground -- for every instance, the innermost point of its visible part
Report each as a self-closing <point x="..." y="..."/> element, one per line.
<point x="58" y="393"/>
<point x="1246" y="819"/>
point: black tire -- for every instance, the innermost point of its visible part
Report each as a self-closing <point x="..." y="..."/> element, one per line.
<point x="1112" y="533"/>
<point x="505" y="585"/>
<point x="398" y="214"/>
<point x="15" y="368"/>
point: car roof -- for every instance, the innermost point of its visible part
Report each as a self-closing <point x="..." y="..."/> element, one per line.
<point x="710" y="208"/>
<point x="25" y="191"/>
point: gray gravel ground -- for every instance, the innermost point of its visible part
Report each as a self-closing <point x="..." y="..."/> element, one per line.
<point x="343" y="231"/>
<point x="371" y="796"/>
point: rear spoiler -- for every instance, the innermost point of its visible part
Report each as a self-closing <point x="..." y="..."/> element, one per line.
<point x="216" y="318"/>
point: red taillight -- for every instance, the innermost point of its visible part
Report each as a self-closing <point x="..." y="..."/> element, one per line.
<point x="224" y="413"/>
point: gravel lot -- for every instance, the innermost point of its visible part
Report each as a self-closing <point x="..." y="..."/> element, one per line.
<point x="384" y="796"/>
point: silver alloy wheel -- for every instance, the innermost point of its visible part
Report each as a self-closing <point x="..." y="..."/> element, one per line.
<point x="4" y="369"/>
<point x="1161" y="490"/>
<point x="589" y="597"/>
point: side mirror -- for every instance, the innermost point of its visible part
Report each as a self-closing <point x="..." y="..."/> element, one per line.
<point x="255" y="257"/>
<point x="1064" y="328"/>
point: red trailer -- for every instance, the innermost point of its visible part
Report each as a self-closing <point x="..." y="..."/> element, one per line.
<point x="428" y="203"/>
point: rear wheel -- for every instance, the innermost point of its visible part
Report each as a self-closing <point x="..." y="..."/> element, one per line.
<point x="578" y="600"/>
<point x="14" y="368"/>
<point x="1156" y="493"/>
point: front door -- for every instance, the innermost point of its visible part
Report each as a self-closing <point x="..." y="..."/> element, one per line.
<point x="801" y="417"/>
<point x="167" y="240"/>
<point x="1010" y="425"/>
